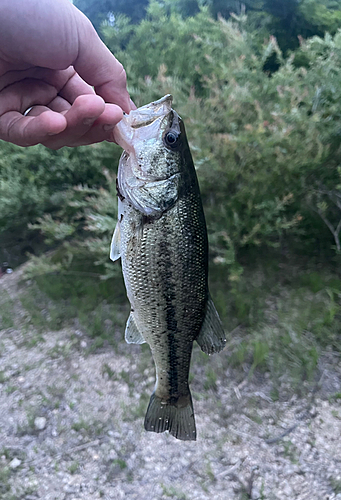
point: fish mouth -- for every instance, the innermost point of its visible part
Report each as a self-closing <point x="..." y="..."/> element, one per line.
<point x="144" y="116"/>
<point x="147" y="114"/>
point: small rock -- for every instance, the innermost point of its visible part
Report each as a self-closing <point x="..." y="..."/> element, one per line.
<point x="40" y="423"/>
<point x="68" y="488"/>
<point x="112" y="455"/>
<point x="15" y="463"/>
<point x="83" y="344"/>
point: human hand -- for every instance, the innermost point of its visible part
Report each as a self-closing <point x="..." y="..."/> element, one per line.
<point x="52" y="61"/>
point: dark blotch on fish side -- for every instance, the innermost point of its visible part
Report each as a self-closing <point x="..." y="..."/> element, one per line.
<point x="121" y="197"/>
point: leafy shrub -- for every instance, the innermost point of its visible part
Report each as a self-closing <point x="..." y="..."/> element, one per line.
<point x="266" y="148"/>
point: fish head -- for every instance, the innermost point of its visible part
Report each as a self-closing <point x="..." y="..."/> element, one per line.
<point x="154" y="142"/>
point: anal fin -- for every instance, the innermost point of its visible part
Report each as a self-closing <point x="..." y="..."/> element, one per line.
<point x="132" y="333"/>
<point x="115" y="250"/>
<point x="211" y="338"/>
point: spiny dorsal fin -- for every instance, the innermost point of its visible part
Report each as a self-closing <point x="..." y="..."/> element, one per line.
<point x="115" y="250"/>
<point x="211" y="338"/>
<point x="132" y="333"/>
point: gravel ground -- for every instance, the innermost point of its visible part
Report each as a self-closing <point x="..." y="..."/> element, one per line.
<point x="71" y="427"/>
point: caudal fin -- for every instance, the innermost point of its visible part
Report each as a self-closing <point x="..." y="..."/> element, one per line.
<point x="175" y="418"/>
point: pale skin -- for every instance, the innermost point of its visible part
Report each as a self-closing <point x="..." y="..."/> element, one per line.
<point x="51" y="59"/>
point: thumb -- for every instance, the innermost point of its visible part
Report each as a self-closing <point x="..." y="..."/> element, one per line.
<point x="99" y="68"/>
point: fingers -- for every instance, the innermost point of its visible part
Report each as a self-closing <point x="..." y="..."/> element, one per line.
<point x="59" y="104"/>
<point x="74" y="86"/>
<point x="30" y="130"/>
<point x="58" y="71"/>
<point x="25" y="93"/>
<point x="87" y="121"/>
<point x="100" y="130"/>
<point x="83" y="129"/>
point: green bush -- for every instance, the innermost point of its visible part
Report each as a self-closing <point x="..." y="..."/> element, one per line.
<point x="266" y="147"/>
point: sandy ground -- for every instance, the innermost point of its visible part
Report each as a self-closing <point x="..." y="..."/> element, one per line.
<point x="71" y="427"/>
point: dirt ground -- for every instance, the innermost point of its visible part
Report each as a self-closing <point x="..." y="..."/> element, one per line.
<point x="71" y="426"/>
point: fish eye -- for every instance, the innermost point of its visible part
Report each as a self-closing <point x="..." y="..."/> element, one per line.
<point x="171" y="139"/>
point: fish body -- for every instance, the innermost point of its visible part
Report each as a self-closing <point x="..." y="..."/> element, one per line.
<point x="162" y="240"/>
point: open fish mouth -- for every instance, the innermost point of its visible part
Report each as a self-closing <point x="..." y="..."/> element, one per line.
<point x="149" y="115"/>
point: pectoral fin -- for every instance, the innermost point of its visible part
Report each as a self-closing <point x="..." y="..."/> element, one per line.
<point x="115" y="251"/>
<point x="211" y="338"/>
<point x="132" y="333"/>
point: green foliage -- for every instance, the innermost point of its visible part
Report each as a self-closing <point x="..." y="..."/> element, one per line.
<point x="268" y="158"/>
<point x="82" y="227"/>
<point x="179" y="47"/>
<point x="266" y="149"/>
<point x="102" y="10"/>
<point x="33" y="179"/>
<point x="323" y="16"/>
<point x="271" y="142"/>
<point x="6" y="312"/>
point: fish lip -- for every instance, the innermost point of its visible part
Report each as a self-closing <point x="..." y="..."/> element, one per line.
<point x="147" y="114"/>
<point x="127" y="128"/>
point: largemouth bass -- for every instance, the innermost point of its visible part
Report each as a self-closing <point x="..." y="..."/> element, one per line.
<point x="162" y="241"/>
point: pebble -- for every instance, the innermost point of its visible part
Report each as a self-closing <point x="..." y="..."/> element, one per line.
<point x="154" y="460"/>
<point x="15" y="463"/>
<point x="40" y="423"/>
<point x="112" y="455"/>
<point x="255" y="495"/>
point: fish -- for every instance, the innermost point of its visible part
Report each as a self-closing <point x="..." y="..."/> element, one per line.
<point x="161" y="238"/>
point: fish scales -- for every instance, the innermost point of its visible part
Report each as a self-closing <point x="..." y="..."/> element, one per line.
<point x="162" y="240"/>
<point x="167" y="288"/>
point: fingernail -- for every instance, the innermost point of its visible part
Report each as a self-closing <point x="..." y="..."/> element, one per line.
<point x="109" y="126"/>
<point x="88" y="121"/>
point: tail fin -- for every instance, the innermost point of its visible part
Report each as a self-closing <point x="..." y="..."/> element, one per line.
<point x="178" y="420"/>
